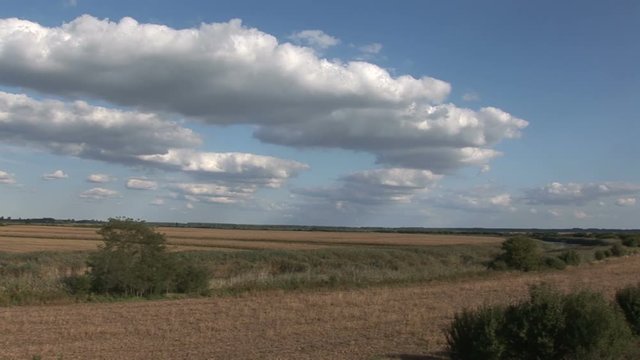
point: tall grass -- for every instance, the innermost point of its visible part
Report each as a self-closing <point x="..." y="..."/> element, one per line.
<point x="37" y="278"/>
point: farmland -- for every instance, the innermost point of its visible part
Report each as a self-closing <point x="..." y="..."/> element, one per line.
<point x="373" y="323"/>
<point x="29" y="238"/>
<point x="275" y="294"/>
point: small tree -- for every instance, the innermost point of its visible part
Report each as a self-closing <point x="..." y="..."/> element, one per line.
<point x="520" y="253"/>
<point x="132" y="261"/>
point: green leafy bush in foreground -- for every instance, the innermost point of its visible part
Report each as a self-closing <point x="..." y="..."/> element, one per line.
<point x="549" y="325"/>
<point x="629" y="301"/>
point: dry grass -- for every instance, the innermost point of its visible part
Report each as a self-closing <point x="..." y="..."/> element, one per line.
<point x="26" y="238"/>
<point x="359" y="324"/>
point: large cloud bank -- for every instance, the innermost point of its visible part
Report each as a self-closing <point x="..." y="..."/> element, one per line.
<point x="227" y="73"/>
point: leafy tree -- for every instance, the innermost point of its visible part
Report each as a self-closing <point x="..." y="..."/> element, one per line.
<point x="520" y="253"/>
<point x="132" y="261"/>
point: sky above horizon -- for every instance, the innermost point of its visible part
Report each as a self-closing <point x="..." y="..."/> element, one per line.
<point x="416" y="113"/>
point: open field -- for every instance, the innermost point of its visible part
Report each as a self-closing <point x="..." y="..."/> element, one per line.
<point x="26" y="238"/>
<point x="375" y="323"/>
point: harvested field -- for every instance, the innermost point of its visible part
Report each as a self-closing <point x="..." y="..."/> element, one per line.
<point x="377" y="323"/>
<point x="39" y="238"/>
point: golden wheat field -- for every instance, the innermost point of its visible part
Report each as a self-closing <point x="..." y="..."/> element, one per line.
<point x="375" y="323"/>
<point x="25" y="238"/>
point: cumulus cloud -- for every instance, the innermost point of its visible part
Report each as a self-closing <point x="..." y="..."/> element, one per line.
<point x="579" y="214"/>
<point x="371" y="49"/>
<point x="243" y="167"/>
<point x="217" y="193"/>
<point x="578" y="193"/>
<point x="6" y="178"/>
<point x="471" y="96"/>
<point x="56" y="175"/>
<point x="226" y="73"/>
<point x="98" y="193"/>
<point x="629" y="201"/>
<point x="435" y="137"/>
<point x="87" y="131"/>
<point x="141" y="184"/>
<point x="128" y="137"/>
<point x="98" y="178"/>
<point x="157" y="202"/>
<point x="315" y="39"/>
<point x="480" y="198"/>
<point x="375" y="187"/>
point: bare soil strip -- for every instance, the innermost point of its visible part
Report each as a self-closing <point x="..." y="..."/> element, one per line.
<point x="360" y="324"/>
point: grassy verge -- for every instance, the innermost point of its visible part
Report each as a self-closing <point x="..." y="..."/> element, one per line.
<point x="35" y="278"/>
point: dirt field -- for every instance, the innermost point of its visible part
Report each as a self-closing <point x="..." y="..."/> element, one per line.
<point x="380" y="323"/>
<point x="25" y="238"/>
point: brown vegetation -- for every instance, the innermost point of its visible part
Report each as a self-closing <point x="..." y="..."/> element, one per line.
<point x="374" y="323"/>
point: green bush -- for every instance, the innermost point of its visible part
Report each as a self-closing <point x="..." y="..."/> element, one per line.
<point x="600" y="255"/>
<point x="77" y="284"/>
<point x="519" y="253"/>
<point x="191" y="279"/>
<point x="554" y="263"/>
<point x="134" y="261"/>
<point x="594" y="329"/>
<point x="549" y="325"/>
<point x="532" y="327"/>
<point x="630" y="240"/>
<point x="618" y="250"/>
<point x="629" y="301"/>
<point x="476" y="334"/>
<point x="571" y="257"/>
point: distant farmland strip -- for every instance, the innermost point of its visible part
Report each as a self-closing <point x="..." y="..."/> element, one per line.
<point x="25" y="238"/>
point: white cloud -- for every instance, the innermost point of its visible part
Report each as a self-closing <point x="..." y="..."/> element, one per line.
<point x="214" y="193"/>
<point x="71" y="3"/>
<point x="629" y="201"/>
<point x="98" y="193"/>
<point x="375" y="187"/>
<point x="157" y="202"/>
<point x="480" y="198"/>
<point x="86" y="131"/>
<point x="315" y="38"/>
<point x="578" y="193"/>
<point x="435" y="137"/>
<point x="265" y="170"/>
<point x="141" y="184"/>
<point x="554" y="212"/>
<point x="98" y="178"/>
<point x="371" y="49"/>
<point x="56" y="175"/>
<point x="225" y="73"/>
<point x="471" y="96"/>
<point x="127" y="137"/>
<point x="6" y="178"/>
<point x="579" y="214"/>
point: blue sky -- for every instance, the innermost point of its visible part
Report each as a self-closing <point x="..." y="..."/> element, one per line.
<point x="413" y="113"/>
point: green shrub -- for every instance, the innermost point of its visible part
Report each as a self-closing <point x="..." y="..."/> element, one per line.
<point x="618" y="250"/>
<point x="532" y="327"/>
<point x="191" y="279"/>
<point x="519" y="253"/>
<point x="476" y="334"/>
<point x="630" y="240"/>
<point x="77" y="284"/>
<point x="600" y="255"/>
<point x="134" y="262"/>
<point x="549" y="325"/>
<point x="594" y="329"/>
<point x="629" y="301"/>
<point x="571" y="257"/>
<point x="554" y="263"/>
